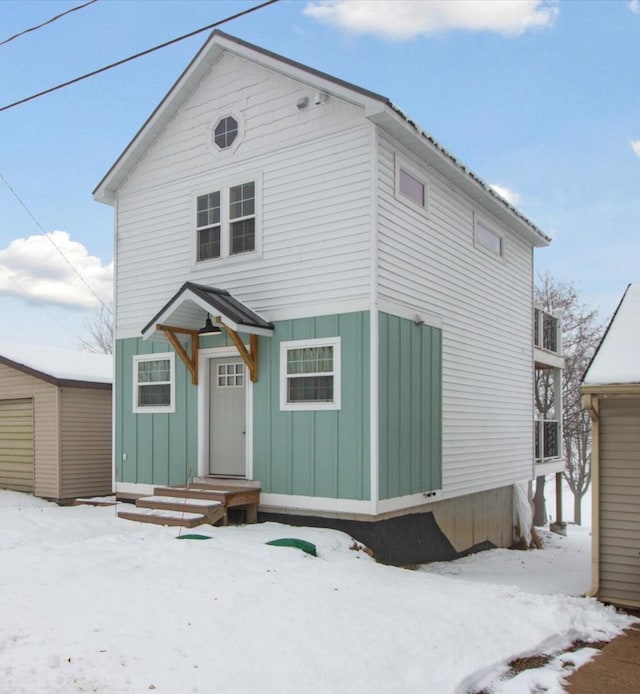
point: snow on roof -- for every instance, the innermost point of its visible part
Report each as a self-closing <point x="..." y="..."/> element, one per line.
<point x="61" y="364"/>
<point x="617" y="359"/>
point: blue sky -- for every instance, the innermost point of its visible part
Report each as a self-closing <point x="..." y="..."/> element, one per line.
<point x="541" y="98"/>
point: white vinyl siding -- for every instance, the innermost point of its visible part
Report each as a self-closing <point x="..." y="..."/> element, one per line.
<point x="429" y="264"/>
<point x="315" y="204"/>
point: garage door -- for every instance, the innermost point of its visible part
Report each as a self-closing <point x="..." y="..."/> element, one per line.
<point x="16" y="444"/>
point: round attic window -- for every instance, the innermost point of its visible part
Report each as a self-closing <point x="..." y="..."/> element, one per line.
<point x="225" y="132"/>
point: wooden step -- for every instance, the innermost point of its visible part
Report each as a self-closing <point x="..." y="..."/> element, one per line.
<point x="231" y="497"/>
<point x="224" y="483"/>
<point x="161" y="517"/>
<point x="176" y="503"/>
<point x="212" y="510"/>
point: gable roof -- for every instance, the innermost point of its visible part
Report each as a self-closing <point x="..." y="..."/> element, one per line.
<point x="617" y="359"/>
<point x="188" y="307"/>
<point x="377" y="108"/>
<point x="59" y="367"/>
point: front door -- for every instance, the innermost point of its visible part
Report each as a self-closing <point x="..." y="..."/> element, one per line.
<point x="227" y="425"/>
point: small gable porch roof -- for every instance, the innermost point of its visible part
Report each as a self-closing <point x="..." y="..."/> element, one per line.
<point x="188" y="309"/>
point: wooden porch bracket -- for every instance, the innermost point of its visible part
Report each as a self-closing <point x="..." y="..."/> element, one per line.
<point x="250" y="358"/>
<point x="190" y="361"/>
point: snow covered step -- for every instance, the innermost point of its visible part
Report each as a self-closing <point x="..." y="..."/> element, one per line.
<point x="210" y="509"/>
<point x="163" y="517"/>
<point x="232" y="496"/>
<point x="176" y="503"/>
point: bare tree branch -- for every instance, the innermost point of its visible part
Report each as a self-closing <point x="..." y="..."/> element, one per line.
<point x="581" y="331"/>
<point x="99" y="332"/>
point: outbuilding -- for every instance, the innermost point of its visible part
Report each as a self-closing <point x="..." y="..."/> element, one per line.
<point x="55" y="422"/>
<point x="611" y="393"/>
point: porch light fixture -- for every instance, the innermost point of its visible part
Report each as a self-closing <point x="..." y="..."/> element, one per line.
<point x="209" y="328"/>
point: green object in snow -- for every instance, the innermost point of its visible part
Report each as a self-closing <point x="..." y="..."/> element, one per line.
<point x="305" y="546"/>
<point x="193" y="536"/>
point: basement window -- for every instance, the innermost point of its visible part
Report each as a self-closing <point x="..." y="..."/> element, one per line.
<point x="154" y="383"/>
<point x="310" y="374"/>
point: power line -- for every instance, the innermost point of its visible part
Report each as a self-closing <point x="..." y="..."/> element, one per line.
<point x="49" y="21"/>
<point x="139" y="55"/>
<point x="55" y="245"/>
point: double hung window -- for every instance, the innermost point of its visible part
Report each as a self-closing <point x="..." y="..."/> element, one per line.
<point x="226" y="222"/>
<point x="154" y="383"/>
<point x="310" y="374"/>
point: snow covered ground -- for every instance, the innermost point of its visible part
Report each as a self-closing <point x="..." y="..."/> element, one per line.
<point x="91" y="603"/>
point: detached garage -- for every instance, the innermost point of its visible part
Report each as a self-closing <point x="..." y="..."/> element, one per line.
<point x="611" y="393"/>
<point x="55" y="422"/>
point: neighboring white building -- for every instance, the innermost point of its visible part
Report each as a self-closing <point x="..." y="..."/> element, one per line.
<point x="375" y="299"/>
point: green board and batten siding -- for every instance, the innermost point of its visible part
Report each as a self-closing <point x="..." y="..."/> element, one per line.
<point x="307" y="453"/>
<point x="160" y="448"/>
<point x="410" y="409"/>
<point x="315" y="453"/>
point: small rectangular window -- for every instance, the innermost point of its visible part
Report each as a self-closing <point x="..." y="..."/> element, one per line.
<point x="231" y="375"/>
<point x="153" y="383"/>
<point x="412" y="188"/>
<point x="310" y="374"/>
<point x="488" y="239"/>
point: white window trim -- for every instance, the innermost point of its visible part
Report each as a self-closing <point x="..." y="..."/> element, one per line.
<point x="159" y="356"/>
<point x="224" y="187"/>
<point x="412" y="170"/>
<point x="223" y="113"/>
<point x="337" y="369"/>
<point x="491" y="229"/>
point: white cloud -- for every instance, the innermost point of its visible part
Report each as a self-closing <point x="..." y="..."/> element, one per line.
<point x="406" y="19"/>
<point x="34" y="270"/>
<point x="634" y="6"/>
<point x="509" y="195"/>
<point x="635" y="146"/>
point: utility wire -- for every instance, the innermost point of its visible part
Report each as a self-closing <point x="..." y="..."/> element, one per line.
<point x="55" y="245"/>
<point x="49" y="21"/>
<point x="139" y="55"/>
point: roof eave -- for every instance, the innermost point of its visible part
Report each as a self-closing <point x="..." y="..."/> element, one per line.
<point x="377" y="108"/>
<point x="609" y="389"/>
<point x="55" y="380"/>
<point x="216" y="44"/>
<point x="393" y="121"/>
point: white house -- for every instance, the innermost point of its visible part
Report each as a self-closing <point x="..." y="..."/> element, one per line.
<point x="374" y="296"/>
